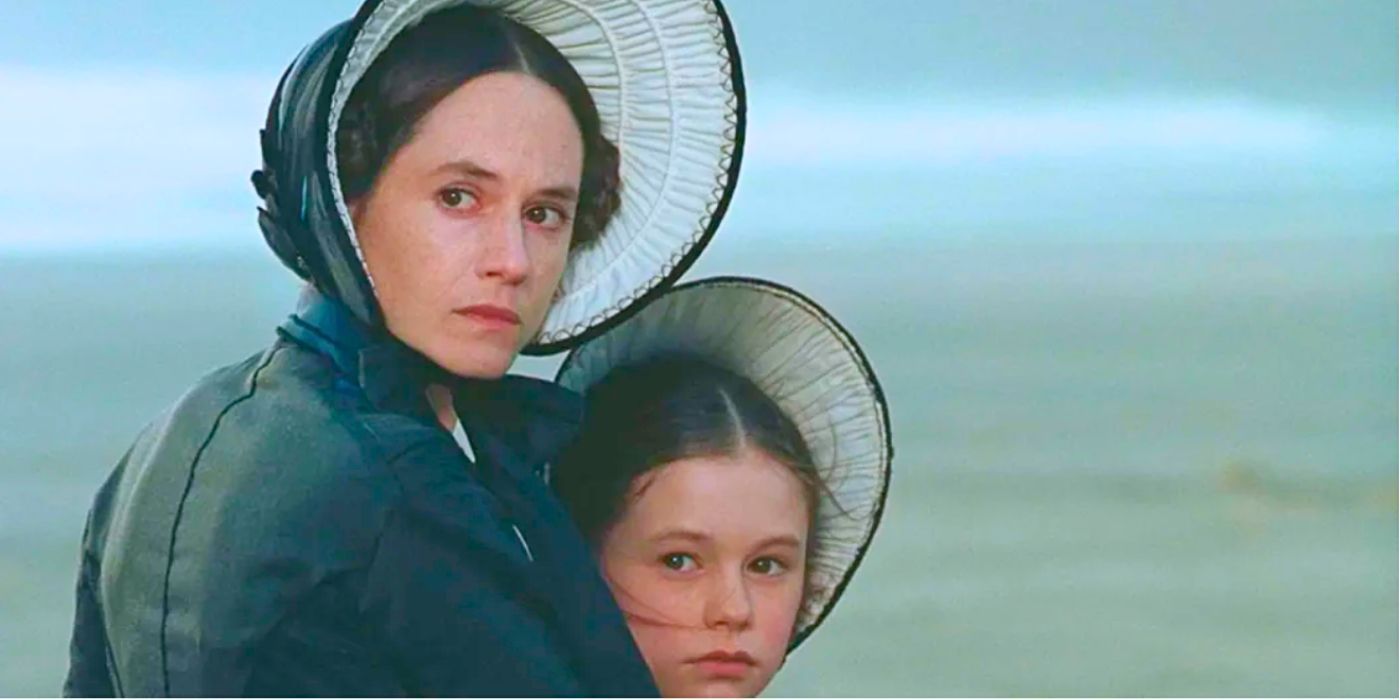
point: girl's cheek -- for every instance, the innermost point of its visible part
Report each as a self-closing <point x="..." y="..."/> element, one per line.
<point x="774" y="633"/>
<point x="642" y="591"/>
<point x="776" y="627"/>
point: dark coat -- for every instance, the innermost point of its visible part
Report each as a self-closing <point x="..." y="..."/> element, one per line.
<point x="300" y="524"/>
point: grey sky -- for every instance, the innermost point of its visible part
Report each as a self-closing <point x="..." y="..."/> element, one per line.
<point x="1338" y="52"/>
<point x="1131" y="117"/>
<point x="1318" y="52"/>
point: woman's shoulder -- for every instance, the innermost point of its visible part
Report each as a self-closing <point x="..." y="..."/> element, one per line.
<point x="286" y="417"/>
<point x="285" y="434"/>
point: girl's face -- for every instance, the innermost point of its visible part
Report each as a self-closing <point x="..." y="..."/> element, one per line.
<point x="707" y="563"/>
<point x="467" y="228"/>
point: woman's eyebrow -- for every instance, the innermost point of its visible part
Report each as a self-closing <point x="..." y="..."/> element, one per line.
<point x="563" y="193"/>
<point x="464" y="166"/>
<point x="467" y="167"/>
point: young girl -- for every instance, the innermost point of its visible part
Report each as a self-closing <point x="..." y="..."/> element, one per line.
<point x="730" y="474"/>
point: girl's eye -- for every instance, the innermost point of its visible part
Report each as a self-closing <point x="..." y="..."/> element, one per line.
<point x="677" y="561"/>
<point x="456" y="198"/>
<point x="767" y="566"/>
<point x="548" y="217"/>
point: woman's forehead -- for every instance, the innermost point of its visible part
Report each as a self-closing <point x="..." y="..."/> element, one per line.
<point x="510" y="124"/>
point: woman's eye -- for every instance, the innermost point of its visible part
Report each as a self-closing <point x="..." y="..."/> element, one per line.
<point x="767" y="566"/>
<point x="456" y="198"/>
<point x="677" y="561"/>
<point x="548" y="217"/>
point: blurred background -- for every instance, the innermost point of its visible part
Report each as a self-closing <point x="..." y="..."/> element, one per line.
<point x="1126" y="270"/>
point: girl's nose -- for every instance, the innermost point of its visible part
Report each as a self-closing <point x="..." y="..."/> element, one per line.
<point x="729" y="604"/>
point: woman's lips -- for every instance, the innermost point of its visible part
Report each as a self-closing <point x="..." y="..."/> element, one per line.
<point x="725" y="664"/>
<point x="489" y="314"/>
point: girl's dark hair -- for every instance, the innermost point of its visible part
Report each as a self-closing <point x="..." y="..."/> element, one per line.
<point x="428" y="61"/>
<point x="644" y="416"/>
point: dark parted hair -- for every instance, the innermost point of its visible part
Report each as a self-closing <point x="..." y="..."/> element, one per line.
<point x="648" y="415"/>
<point x="428" y="61"/>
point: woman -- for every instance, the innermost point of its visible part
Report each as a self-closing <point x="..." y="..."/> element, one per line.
<point x="730" y="475"/>
<point x="358" y="509"/>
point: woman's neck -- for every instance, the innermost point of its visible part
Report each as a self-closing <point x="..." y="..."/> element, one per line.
<point x="440" y="398"/>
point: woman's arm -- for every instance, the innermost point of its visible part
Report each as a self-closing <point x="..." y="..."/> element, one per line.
<point x="448" y="596"/>
<point x="88" y="673"/>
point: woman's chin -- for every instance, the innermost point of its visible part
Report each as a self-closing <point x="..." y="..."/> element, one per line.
<point x="481" y="362"/>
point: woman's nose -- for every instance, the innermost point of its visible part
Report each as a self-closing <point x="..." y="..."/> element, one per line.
<point x="729" y="605"/>
<point x="502" y="254"/>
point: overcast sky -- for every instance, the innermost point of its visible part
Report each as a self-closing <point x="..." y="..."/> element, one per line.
<point x="134" y="124"/>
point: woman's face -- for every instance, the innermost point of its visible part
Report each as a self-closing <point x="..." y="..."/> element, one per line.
<point x="467" y="228"/>
<point x="707" y="563"/>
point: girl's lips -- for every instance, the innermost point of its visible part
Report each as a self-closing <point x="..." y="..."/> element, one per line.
<point x="489" y="312"/>
<point x="725" y="664"/>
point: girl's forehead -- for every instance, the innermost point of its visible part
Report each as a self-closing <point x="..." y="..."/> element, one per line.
<point x="718" y="496"/>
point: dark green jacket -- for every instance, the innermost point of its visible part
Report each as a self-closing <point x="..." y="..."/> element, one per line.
<point x="300" y="524"/>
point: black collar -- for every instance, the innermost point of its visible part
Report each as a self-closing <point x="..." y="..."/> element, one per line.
<point x="515" y="422"/>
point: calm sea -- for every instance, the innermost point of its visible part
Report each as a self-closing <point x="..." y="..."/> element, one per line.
<point x="1122" y="468"/>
